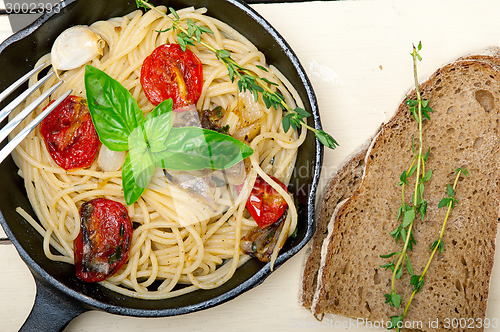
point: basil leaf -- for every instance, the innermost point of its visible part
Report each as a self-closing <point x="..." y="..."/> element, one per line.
<point x="158" y="125"/>
<point x="131" y="191"/>
<point x="141" y="158"/>
<point x="163" y="108"/>
<point x="157" y="130"/>
<point x="193" y="148"/>
<point x="114" y="111"/>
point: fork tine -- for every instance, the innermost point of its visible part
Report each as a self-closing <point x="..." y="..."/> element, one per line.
<point x="20" y="81"/>
<point x="5" y="131"/>
<point x="19" y="99"/>
<point x="23" y="133"/>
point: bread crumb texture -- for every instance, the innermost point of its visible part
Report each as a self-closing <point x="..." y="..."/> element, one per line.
<point x="463" y="132"/>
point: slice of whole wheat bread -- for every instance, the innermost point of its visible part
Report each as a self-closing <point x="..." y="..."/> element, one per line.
<point x="340" y="187"/>
<point x="463" y="131"/>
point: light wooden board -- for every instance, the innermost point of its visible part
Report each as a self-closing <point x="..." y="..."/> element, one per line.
<point x="357" y="57"/>
<point x="5" y="31"/>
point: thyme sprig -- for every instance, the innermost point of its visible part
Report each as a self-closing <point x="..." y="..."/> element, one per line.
<point x="407" y="213"/>
<point x="247" y="80"/>
<point x="418" y="281"/>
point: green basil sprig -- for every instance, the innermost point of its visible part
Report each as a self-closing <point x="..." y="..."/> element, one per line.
<point x="152" y="141"/>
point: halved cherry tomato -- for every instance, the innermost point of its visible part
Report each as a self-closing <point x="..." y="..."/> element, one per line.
<point x="265" y="204"/>
<point x="69" y="134"/>
<point x="170" y="72"/>
<point x="103" y="244"/>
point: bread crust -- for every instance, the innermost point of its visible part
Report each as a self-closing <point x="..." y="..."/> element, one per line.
<point x="463" y="131"/>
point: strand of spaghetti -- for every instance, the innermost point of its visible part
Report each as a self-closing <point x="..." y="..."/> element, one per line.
<point x="223" y="270"/>
<point x="250" y="58"/>
<point x="138" y="238"/>
<point x="236" y="46"/>
<point x="45" y="213"/>
<point x="68" y="230"/>
<point x="218" y="36"/>
<point x="57" y="170"/>
<point x="95" y="192"/>
<point x="242" y="197"/>
<point x="203" y="102"/>
<point x="284" y="234"/>
<point x="138" y="241"/>
<point x="66" y="191"/>
<point x="124" y="44"/>
<point x="221" y="88"/>
<point x="180" y="208"/>
<point x="133" y="275"/>
<point x="163" y="237"/>
<point x="150" y="295"/>
<point x="46" y="248"/>
<point x="154" y="271"/>
<point x="146" y="250"/>
<point x="167" y="287"/>
<point x="234" y="260"/>
<point x="268" y="156"/>
<point x="231" y="33"/>
<point x="280" y="164"/>
<point x="197" y="250"/>
<point x="284" y="141"/>
<point x="181" y="248"/>
<point x="39" y="228"/>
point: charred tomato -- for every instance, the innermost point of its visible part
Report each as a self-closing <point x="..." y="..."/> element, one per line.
<point x="103" y="244"/>
<point x="265" y="204"/>
<point x="69" y="134"/>
<point x="170" y="72"/>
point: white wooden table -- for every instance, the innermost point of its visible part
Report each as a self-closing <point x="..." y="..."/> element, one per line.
<point x="357" y="56"/>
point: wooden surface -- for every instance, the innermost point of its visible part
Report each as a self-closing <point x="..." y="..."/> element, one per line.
<point x="357" y="56"/>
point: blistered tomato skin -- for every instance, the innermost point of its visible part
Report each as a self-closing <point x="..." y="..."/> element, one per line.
<point x="103" y="244"/>
<point x="69" y="134"/>
<point x="265" y="204"/>
<point x="170" y="72"/>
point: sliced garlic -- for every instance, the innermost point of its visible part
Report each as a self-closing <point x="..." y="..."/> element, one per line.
<point x="110" y="161"/>
<point x="75" y="47"/>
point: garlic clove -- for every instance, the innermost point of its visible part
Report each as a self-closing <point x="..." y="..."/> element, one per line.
<point x="110" y="161"/>
<point x="75" y="47"/>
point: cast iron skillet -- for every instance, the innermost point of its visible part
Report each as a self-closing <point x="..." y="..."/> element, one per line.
<point x="60" y="295"/>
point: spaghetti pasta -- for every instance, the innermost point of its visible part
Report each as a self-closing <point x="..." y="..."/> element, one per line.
<point x="180" y="243"/>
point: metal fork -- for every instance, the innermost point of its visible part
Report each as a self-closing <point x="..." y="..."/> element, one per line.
<point x="6" y="130"/>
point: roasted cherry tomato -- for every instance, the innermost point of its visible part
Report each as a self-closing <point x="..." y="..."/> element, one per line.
<point x="69" y="134"/>
<point x="103" y="244"/>
<point x="265" y="204"/>
<point x="170" y="72"/>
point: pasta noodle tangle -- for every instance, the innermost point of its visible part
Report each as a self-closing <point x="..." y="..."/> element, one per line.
<point x="179" y="243"/>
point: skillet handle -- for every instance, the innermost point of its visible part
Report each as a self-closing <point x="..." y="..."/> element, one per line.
<point x="52" y="311"/>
